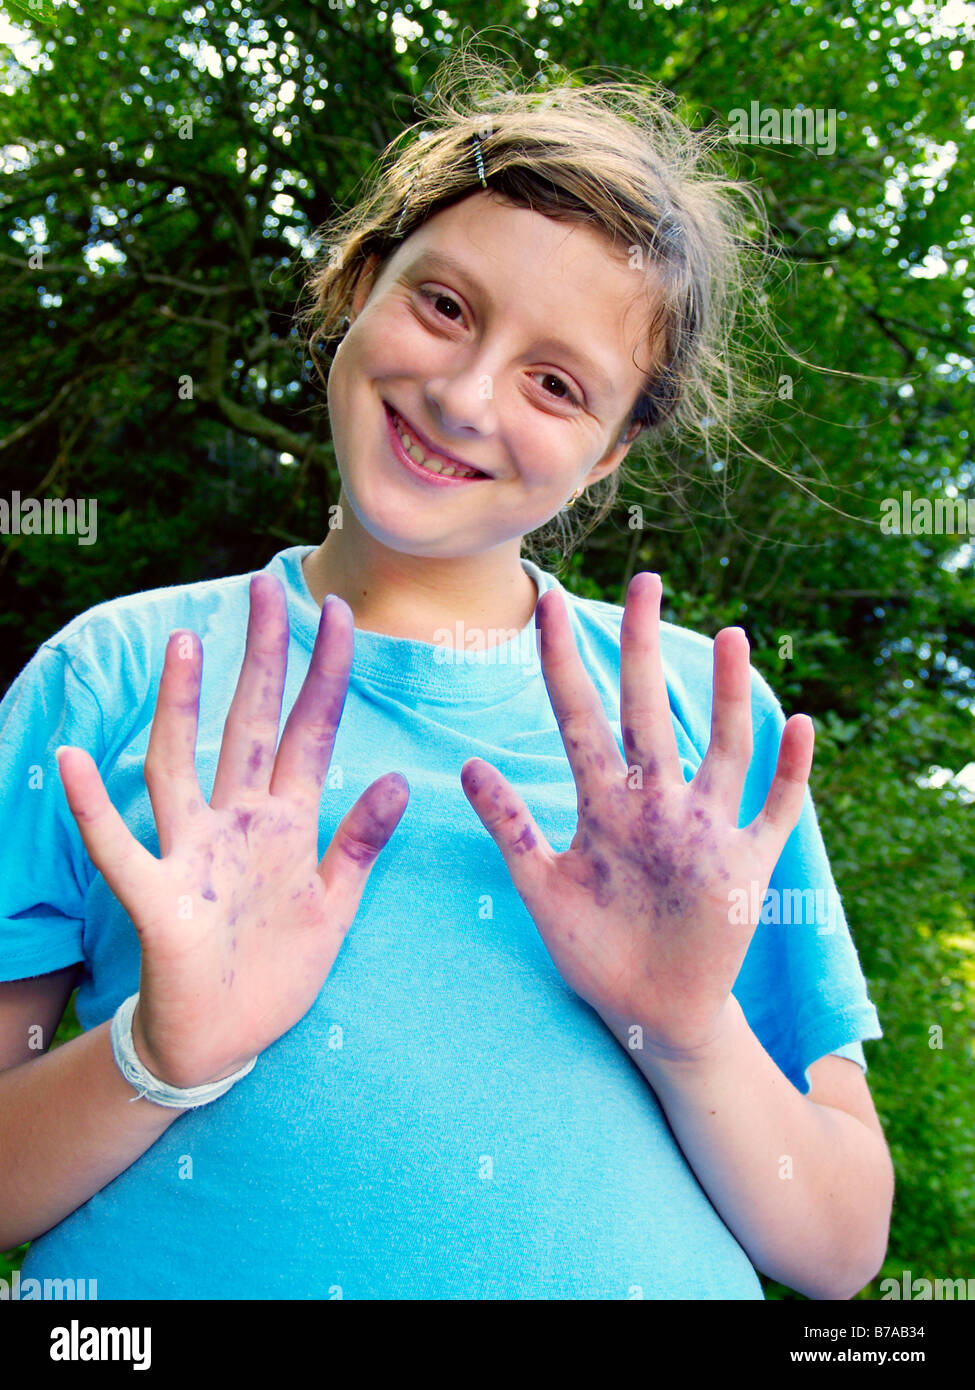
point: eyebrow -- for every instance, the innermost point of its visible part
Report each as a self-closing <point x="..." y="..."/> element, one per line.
<point x="601" y="379"/>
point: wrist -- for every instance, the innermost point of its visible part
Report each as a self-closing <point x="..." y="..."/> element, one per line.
<point x="183" y="1081"/>
<point x="149" y="1085"/>
<point x="681" y="1053"/>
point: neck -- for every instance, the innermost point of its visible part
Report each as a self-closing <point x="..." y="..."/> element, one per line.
<point x="415" y="596"/>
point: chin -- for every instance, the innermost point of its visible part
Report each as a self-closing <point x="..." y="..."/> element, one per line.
<point x="387" y="521"/>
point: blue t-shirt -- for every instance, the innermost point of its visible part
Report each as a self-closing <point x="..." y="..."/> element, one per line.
<point x="449" y="1120"/>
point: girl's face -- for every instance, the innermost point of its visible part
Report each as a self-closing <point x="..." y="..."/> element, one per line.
<point x="509" y="342"/>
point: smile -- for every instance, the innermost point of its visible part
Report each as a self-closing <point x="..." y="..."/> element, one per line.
<point x="419" y="459"/>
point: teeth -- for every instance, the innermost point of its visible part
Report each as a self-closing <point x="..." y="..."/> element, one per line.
<point x="435" y="465"/>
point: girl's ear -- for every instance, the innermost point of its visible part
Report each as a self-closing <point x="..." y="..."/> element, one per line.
<point x="614" y="456"/>
<point x="364" y="284"/>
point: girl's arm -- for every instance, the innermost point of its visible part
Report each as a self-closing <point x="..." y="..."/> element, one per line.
<point x="68" y="1126"/>
<point x="267" y="918"/>
<point x="639" y="917"/>
<point x="805" y="1186"/>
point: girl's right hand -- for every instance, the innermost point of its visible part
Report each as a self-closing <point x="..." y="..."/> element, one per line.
<point x="238" y="921"/>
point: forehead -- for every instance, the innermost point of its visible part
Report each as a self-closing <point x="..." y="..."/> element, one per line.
<point x="560" y="282"/>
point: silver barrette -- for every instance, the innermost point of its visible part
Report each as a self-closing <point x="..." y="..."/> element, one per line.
<point x="406" y="203"/>
<point x="479" y="160"/>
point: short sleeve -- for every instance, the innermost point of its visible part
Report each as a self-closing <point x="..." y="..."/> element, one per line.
<point x="44" y="869"/>
<point x="853" y="1052"/>
<point x="801" y="985"/>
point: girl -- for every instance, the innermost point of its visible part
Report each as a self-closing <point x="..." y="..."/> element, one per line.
<point x="523" y="1022"/>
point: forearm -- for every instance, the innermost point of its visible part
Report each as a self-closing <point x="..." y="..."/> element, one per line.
<point x="805" y="1188"/>
<point x="67" y="1128"/>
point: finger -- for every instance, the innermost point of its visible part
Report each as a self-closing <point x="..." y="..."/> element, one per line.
<point x="648" y="731"/>
<point x="590" y="747"/>
<point x="783" y="806"/>
<point x="309" y="734"/>
<point x="722" y="773"/>
<point x="122" y="861"/>
<point x="510" y="824"/>
<point x="170" y="764"/>
<point x="363" y="831"/>
<point x="251" y="732"/>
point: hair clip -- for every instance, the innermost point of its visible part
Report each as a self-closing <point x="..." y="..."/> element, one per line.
<point x="406" y="202"/>
<point x="479" y="159"/>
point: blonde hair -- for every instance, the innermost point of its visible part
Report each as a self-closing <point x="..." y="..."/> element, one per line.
<point x="612" y="155"/>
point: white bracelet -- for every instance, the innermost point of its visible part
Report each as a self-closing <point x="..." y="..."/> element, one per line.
<point x="150" y="1087"/>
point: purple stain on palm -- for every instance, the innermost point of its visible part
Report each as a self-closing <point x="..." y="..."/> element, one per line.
<point x="600" y="881"/>
<point x="470" y="778"/>
<point x="334" y="712"/>
<point x="242" y="821"/>
<point x="378" y="814"/>
<point x="256" y="758"/>
<point x="659" y="868"/>
<point x="525" y="841"/>
<point x="360" y="853"/>
<point x="209" y="894"/>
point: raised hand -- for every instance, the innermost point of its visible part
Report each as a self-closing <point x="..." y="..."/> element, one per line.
<point x="636" y="913"/>
<point x="239" y="922"/>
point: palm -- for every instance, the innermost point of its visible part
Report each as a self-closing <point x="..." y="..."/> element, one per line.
<point x="635" y="913"/>
<point x="238" y="921"/>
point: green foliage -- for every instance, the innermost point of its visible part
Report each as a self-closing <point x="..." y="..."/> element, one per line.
<point x="869" y="389"/>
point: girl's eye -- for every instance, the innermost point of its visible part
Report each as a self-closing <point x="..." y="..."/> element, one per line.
<point x="435" y="295"/>
<point x="569" y="396"/>
<point x="438" y="296"/>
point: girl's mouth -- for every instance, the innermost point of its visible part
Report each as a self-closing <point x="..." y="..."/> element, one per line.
<point x="432" y="468"/>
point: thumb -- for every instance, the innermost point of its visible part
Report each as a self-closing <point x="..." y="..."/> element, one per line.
<point x="124" y="863"/>
<point x="363" y="831"/>
<point x="510" y="824"/>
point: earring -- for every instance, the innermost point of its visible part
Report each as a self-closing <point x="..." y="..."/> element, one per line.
<point x="345" y="323"/>
<point x="572" y="500"/>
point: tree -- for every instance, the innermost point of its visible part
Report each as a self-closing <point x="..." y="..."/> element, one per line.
<point x="166" y="170"/>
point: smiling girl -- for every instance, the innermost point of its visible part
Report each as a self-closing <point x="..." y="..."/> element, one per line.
<point x="445" y="994"/>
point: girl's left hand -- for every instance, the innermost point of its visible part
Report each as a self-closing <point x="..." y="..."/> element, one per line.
<point x="637" y="912"/>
